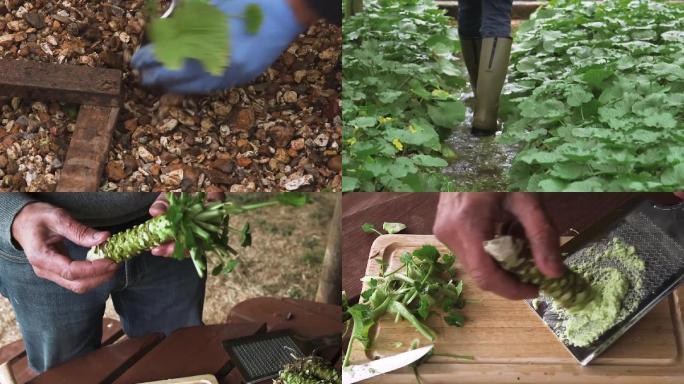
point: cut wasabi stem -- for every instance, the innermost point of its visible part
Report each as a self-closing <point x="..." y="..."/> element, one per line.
<point x="198" y="228"/>
<point x="569" y="291"/>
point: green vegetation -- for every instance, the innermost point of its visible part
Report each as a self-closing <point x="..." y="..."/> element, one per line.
<point x="401" y="96"/>
<point x="424" y="283"/>
<point x="597" y="98"/>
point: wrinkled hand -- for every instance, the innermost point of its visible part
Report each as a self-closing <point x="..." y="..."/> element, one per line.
<point x="465" y="220"/>
<point x="160" y="206"/>
<point x="251" y="54"/>
<point x="41" y="229"/>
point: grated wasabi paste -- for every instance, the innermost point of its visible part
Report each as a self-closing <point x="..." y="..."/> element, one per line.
<point x="615" y="274"/>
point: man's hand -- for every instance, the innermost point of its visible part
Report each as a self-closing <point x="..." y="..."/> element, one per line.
<point x="465" y="220"/>
<point x="251" y="54"/>
<point x="160" y="206"/>
<point x="41" y="229"/>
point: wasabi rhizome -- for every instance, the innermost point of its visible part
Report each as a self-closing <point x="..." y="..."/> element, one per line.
<point x="197" y="227"/>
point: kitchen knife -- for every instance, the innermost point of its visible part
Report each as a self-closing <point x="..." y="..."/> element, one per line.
<point x="355" y="373"/>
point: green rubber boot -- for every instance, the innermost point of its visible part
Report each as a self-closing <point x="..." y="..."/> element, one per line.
<point x="470" y="49"/>
<point x="494" y="58"/>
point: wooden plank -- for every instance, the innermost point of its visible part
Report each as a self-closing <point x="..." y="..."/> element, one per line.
<point x="111" y="331"/>
<point x="103" y="365"/>
<point x="511" y="344"/>
<point x="12" y="352"/>
<point x="306" y="318"/>
<point x="187" y="352"/>
<point x="76" y="84"/>
<point x="89" y="149"/>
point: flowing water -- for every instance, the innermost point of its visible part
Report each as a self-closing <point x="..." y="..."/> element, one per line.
<point x="481" y="164"/>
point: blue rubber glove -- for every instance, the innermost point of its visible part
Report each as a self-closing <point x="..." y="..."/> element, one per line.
<point x="251" y="54"/>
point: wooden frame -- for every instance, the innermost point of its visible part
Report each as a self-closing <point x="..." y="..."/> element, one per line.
<point x="97" y="90"/>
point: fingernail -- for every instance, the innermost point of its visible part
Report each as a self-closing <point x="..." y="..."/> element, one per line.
<point x="113" y="267"/>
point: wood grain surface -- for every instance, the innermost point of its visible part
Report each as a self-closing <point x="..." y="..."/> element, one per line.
<point x="187" y="352"/>
<point x="509" y="343"/>
<point x="77" y="84"/>
<point x="89" y="149"/>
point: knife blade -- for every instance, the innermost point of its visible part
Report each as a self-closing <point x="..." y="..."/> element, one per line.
<point x="355" y="373"/>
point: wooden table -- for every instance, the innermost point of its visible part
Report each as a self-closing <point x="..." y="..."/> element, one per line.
<point x="417" y="210"/>
<point x="197" y="350"/>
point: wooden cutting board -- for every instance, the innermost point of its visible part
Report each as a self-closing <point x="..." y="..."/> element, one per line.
<point x="510" y="344"/>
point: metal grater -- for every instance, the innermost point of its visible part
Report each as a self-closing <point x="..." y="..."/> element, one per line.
<point x="657" y="233"/>
<point x="261" y="357"/>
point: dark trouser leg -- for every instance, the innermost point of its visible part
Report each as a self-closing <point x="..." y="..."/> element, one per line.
<point x="493" y="66"/>
<point x="469" y="25"/>
<point x="162" y="295"/>
<point x="56" y="324"/>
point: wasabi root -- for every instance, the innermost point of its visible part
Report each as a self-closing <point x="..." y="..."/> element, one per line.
<point x="196" y="227"/>
<point x="570" y="290"/>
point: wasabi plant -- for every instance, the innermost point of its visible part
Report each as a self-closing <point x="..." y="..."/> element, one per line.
<point x="198" y="228"/>
<point x="424" y="283"/>
<point x="309" y="370"/>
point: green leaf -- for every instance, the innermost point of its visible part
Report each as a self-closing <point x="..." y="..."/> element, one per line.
<point x="230" y="266"/>
<point x="360" y="315"/>
<point x="674" y="176"/>
<point x="447" y="114"/>
<point x="454" y="318"/>
<point x="294" y="199"/>
<point x="424" y="307"/>
<point x="429" y="161"/>
<point x="596" y="76"/>
<point x="368" y="228"/>
<point x="393" y="228"/>
<point x="389" y="97"/>
<point x="245" y="236"/>
<point x="578" y="96"/>
<point x="427" y="252"/>
<point x="196" y="30"/>
<point x="254" y="18"/>
<point x="663" y="120"/>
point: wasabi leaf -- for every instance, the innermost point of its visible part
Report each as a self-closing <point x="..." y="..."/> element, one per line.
<point x="393" y="228"/>
<point x="254" y="18"/>
<point x="196" y="30"/>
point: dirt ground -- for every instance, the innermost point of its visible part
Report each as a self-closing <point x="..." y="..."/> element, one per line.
<point x="284" y="260"/>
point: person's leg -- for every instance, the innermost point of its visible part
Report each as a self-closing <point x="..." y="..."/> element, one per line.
<point x="493" y="66"/>
<point x="469" y="25"/>
<point x="57" y="325"/>
<point x="161" y="295"/>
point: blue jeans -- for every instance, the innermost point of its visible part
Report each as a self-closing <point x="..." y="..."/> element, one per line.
<point x="484" y="18"/>
<point x="150" y="293"/>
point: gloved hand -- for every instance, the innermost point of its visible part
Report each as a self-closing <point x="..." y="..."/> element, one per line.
<point x="251" y="54"/>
